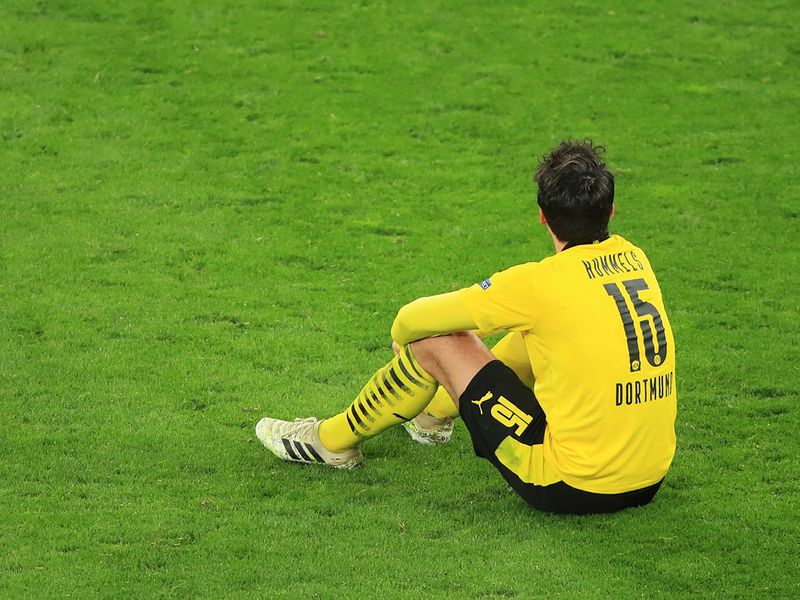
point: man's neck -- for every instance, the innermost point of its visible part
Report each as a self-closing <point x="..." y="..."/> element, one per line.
<point x="561" y="246"/>
<point x="557" y="243"/>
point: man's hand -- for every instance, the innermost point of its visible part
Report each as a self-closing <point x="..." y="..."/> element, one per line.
<point x="396" y="347"/>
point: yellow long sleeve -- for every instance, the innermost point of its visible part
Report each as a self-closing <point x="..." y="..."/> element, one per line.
<point x="431" y="316"/>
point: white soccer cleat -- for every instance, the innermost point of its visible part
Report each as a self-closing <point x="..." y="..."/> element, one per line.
<point x="430" y="436"/>
<point x="298" y="441"/>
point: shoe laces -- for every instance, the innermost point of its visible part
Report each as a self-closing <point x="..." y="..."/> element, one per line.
<point x="300" y="428"/>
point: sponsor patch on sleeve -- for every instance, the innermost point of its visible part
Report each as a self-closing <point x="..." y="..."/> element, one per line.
<point x="485" y="284"/>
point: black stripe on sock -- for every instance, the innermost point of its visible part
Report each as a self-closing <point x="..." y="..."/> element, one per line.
<point x="389" y="387"/>
<point x="349" y="422"/>
<point x="289" y="449"/>
<point x="399" y="382"/>
<point x="378" y="401"/>
<point x="408" y="375"/>
<point x="355" y="416"/>
<point x="302" y="451"/>
<point x="401" y="417"/>
<point x="378" y="404"/>
<point x="383" y="394"/>
<point x="364" y="411"/>
<point x="314" y="453"/>
<point x="413" y="362"/>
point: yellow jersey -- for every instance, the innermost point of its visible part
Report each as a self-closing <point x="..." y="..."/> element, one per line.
<point x="603" y="356"/>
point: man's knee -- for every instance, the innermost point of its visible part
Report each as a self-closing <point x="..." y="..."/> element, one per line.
<point x="430" y="348"/>
<point x="436" y="354"/>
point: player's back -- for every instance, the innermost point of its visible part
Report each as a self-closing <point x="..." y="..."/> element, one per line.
<point x="603" y="356"/>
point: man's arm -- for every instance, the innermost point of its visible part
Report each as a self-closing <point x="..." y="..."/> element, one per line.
<point x="431" y="316"/>
<point x="501" y="303"/>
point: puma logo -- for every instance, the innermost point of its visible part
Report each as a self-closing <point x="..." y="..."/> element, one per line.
<point x="478" y="403"/>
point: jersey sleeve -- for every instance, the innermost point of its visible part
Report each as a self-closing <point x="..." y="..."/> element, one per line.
<point x="505" y="301"/>
<point x="431" y="316"/>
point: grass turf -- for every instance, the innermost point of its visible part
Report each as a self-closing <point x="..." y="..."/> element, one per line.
<point x="211" y="212"/>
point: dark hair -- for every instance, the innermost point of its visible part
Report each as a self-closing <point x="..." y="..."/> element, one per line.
<point x="576" y="192"/>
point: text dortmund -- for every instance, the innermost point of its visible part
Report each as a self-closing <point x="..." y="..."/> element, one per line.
<point x="644" y="390"/>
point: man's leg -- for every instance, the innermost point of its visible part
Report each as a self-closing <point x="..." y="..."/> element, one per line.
<point x="400" y="390"/>
<point x="396" y="393"/>
<point x="507" y="425"/>
<point x="453" y="360"/>
<point x="434" y="425"/>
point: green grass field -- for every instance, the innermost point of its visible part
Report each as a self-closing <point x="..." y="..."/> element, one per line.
<point x="211" y="211"/>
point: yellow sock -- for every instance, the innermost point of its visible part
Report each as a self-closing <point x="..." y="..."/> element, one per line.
<point x="442" y="405"/>
<point x="397" y="392"/>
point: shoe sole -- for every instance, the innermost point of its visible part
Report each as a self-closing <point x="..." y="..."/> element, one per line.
<point x="426" y="439"/>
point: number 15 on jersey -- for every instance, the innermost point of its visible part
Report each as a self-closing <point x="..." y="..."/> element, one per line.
<point x="655" y="350"/>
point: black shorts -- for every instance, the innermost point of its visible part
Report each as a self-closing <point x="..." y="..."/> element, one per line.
<point x="503" y="415"/>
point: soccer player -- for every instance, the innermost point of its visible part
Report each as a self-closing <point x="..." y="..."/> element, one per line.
<point x="575" y="406"/>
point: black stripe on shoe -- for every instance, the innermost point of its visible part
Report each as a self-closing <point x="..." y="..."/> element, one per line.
<point x="314" y="453"/>
<point x="302" y="451"/>
<point x="289" y="450"/>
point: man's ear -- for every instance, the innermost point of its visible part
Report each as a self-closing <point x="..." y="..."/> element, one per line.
<point x="612" y="211"/>
<point x="542" y="218"/>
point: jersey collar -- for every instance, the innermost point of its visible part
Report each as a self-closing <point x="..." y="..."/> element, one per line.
<point x="573" y="244"/>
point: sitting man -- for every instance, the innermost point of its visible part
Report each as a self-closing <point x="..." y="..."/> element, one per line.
<point x="575" y="406"/>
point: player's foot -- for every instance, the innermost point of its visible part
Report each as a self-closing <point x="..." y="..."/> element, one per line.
<point x="298" y="441"/>
<point x="428" y="430"/>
